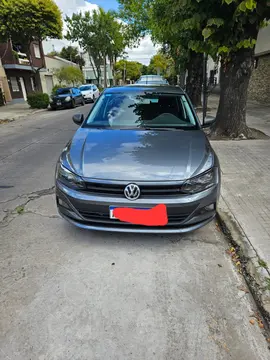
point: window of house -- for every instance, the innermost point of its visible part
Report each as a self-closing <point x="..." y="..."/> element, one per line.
<point x="14" y="84"/>
<point x="37" y="51"/>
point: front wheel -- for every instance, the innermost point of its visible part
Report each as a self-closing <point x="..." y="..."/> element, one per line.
<point x="94" y="98"/>
<point x="73" y="104"/>
<point x="83" y="102"/>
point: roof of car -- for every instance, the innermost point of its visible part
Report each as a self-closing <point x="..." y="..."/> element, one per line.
<point x="167" y="89"/>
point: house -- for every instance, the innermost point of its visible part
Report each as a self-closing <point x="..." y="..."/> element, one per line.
<point x="47" y="77"/>
<point x="4" y="88"/>
<point x="259" y="86"/>
<point x="89" y="73"/>
<point x="22" y="78"/>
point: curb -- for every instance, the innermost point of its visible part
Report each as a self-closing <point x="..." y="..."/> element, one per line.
<point x="8" y="120"/>
<point x="256" y="276"/>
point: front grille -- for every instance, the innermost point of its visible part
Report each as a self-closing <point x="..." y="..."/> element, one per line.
<point x="99" y="217"/>
<point x="146" y="190"/>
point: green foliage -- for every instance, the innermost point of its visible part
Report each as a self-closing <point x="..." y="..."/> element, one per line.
<point x="129" y="69"/>
<point x="98" y="33"/>
<point x="38" y="100"/>
<point x="25" y="21"/>
<point x="71" y="53"/>
<point x="159" y="63"/>
<point x="55" y="88"/>
<point x="215" y="26"/>
<point x="69" y="75"/>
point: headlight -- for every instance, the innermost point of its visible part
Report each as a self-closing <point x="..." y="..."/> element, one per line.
<point x="68" y="98"/>
<point x="201" y="182"/>
<point x="68" y="178"/>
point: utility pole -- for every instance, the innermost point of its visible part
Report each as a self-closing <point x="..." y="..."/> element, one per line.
<point x="204" y="86"/>
<point x="125" y="67"/>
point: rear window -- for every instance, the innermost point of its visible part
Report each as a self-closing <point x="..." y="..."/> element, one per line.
<point x="142" y="110"/>
<point x="63" y="91"/>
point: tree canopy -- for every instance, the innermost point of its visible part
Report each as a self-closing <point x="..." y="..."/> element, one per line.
<point x="25" y="21"/>
<point x="69" y="75"/>
<point x="100" y="34"/>
<point x="128" y="70"/>
<point x="225" y="29"/>
<point x="71" y="53"/>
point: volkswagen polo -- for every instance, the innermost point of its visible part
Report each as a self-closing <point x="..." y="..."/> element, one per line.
<point x="140" y="147"/>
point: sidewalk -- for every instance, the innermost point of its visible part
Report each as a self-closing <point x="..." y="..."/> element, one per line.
<point x="15" y="111"/>
<point x="245" y="199"/>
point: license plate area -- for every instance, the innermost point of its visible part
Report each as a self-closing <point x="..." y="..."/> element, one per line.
<point x="111" y="209"/>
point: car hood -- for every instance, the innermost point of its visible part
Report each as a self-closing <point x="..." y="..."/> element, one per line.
<point x="136" y="155"/>
<point x="86" y="92"/>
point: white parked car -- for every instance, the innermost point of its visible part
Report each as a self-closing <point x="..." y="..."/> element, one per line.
<point x="90" y="92"/>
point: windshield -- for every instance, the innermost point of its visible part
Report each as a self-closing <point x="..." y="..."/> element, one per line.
<point x="86" y="87"/>
<point x="142" y="110"/>
<point x="63" y="91"/>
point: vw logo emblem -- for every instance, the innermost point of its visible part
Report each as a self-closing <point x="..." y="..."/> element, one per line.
<point x="132" y="192"/>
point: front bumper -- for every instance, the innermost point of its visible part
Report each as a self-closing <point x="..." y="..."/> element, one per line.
<point x="62" y="105"/>
<point x="88" y="98"/>
<point x="185" y="212"/>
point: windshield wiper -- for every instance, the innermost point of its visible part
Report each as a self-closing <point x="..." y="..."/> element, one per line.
<point x="163" y="128"/>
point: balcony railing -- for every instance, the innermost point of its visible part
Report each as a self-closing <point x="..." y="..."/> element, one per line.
<point x="23" y="61"/>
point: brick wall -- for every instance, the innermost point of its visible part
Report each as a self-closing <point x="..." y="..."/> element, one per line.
<point x="259" y="87"/>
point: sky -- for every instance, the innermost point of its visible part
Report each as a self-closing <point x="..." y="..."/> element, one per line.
<point x="142" y="53"/>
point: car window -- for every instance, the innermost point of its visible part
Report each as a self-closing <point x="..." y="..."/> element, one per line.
<point x="140" y="110"/>
<point x="63" y="91"/>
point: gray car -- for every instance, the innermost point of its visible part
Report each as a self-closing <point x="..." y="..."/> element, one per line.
<point x="137" y="148"/>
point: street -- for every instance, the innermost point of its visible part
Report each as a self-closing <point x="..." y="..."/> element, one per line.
<point x="80" y="295"/>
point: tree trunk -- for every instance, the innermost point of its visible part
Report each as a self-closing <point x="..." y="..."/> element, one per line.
<point x="195" y="78"/>
<point x="105" y="72"/>
<point x="234" y="80"/>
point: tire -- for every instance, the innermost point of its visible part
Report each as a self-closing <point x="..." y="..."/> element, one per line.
<point x="53" y="108"/>
<point x="73" y="104"/>
<point x="94" y="98"/>
<point x="83" y="103"/>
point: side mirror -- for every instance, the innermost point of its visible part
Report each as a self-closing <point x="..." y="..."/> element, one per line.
<point x="208" y="122"/>
<point x="78" y="119"/>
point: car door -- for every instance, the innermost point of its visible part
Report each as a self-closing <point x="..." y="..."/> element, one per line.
<point x="76" y="96"/>
<point x="80" y="96"/>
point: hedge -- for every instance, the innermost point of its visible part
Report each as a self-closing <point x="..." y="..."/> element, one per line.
<point x="38" y="100"/>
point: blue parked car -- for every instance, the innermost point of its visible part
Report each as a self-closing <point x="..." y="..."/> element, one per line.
<point x="68" y="97"/>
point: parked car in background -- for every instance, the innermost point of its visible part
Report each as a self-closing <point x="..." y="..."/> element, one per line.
<point x="152" y="80"/>
<point x="90" y="92"/>
<point x="69" y="97"/>
<point x="157" y="154"/>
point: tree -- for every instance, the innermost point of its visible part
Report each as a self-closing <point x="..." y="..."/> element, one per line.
<point x="224" y="29"/>
<point x="230" y="29"/>
<point x="100" y="34"/>
<point x="159" y="64"/>
<point x="69" y="75"/>
<point x="25" y="21"/>
<point x="144" y="70"/>
<point x="166" y="28"/>
<point x="128" y="70"/>
<point x="71" y="53"/>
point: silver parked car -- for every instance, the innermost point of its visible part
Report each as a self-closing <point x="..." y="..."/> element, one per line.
<point x="138" y="147"/>
<point x="152" y="80"/>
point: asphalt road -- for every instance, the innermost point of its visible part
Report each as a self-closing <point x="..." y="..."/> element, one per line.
<point x="79" y="295"/>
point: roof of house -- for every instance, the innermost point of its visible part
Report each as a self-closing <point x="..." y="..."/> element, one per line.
<point x="61" y="59"/>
